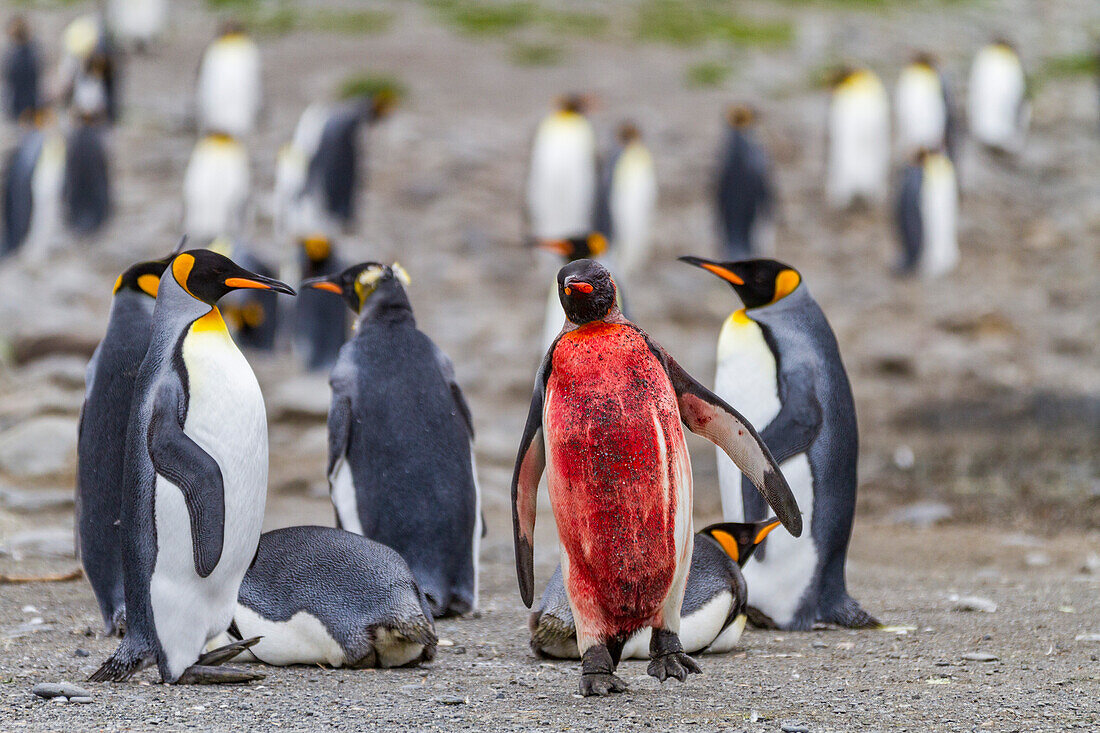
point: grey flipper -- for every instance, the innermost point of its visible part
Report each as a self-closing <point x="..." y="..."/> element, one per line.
<point x="447" y="369"/>
<point x="908" y="216"/>
<point x="342" y="382"/>
<point x="87" y="190"/>
<point x="182" y="461"/>
<point x="530" y="463"/>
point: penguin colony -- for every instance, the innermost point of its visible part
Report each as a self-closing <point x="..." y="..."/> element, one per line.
<point x="173" y="438"/>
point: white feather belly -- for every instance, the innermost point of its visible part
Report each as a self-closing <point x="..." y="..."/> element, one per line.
<point x="561" y="187"/>
<point x="216" y="187"/>
<point x="229" y="86"/>
<point x="47" y="182"/>
<point x="226" y="418"/>
<point x="633" y="196"/>
<point x="697" y="631"/>
<point x="301" y="639"/>
<point x="996" y="91"/>
<point x="859" y="142"/>
<point x="921" y="114"/>
<point x="939" y="212"/>
<point x="729" y="638"/>
<point x="344" y="498"/>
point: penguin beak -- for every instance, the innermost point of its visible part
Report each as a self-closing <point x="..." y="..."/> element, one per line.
<point x="257" y="282"/>
<point x="321" y="283"/>
<point x="557" y="246"/>
<point x="715" y="268"/>
<point x="580" y="286"/>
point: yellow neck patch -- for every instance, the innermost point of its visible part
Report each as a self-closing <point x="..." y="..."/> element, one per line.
<point x="740" y="318"/>
<point x="181" y="270"/>
<point x="118" y="284"/>
<point x="785" y="283"/>
<point x="317" y="248"/>
<point x="212" y="322"/>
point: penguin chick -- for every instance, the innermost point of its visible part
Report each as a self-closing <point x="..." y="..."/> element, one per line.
<point x="927" y="215"/>
<point x="779" y="363"/>
<point x="744" y="200"/>
<point x="195" y="478"/>
<point x="713" y="614"/>
<point x="401" y="463"/>
<point x="318" y="595"/>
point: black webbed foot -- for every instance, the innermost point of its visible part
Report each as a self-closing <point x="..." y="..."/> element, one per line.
<point x="667" y="657"/>
<point x="598" y="673"/>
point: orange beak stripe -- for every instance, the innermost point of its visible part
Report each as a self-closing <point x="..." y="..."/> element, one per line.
<point x="244" y="282"/>
<point x="722" y="273"/>
<point x="765" y="532"/>
<point x="331" y="287"/>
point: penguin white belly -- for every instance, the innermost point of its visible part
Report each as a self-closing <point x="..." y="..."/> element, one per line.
<point x="47" y="182"/>
<point x="683" y="529"/>
<point x="921" y="114"/>
<point x="561" y="189"/>
<point x="344" y="499"/>
<point x="746" y="379"/>
<point x="939" y="211"/>
<point x="633" y="196"/>
<point x="138" y="20"/>
<point x="215" y="189"/>
<point x="301" y="639"/>
<point x="478" y="529"/>
<point x="859" y="145"/>
<point x="229" y="87"/>
<point x="996" y="93"/>
<point x="729" y="638"/>
<point x="225" y="416"/>
<point x="393" y="649"/>
<point x="697" y="631"/>
<point x="777" y="583"/>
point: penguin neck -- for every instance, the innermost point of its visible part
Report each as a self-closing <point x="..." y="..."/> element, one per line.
<point x="176" y="308"/>
<point x="797" y="299"/>
<point x="387" y="304"/>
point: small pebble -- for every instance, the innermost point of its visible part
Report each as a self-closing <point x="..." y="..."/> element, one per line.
<point x="59" y="689"/>
<point x="1087" y="637"/>
<point x="979" y="657"/>
<point x="794" y="729"/>
<point x="81" y="700"/>
<point x="973" y="603"/>
<point x="81" y="653"/>
<point x="453" y="700"/>
<point x="59" y="698"/>
<point x="445" y="642"/>
<point x="820" y="645"/>
<point x="1037" y="559"/>
<point x="459" y="650"/>
<point x="754" y="716"/>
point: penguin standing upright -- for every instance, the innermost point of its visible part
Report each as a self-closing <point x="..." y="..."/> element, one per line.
<point x="744" y="200"/>
<point x="137" y="22"/>
<point x="216" y="188"/>
<point x="320" y="322"/>
<point x="101" y="448"/>
<point x="778" y="361"/>
<point x="561" y="180"/>
<point x="401" y="465"/>
<point x="87" y="188"/>
<point x="859" y="139"/>
<point x="21" y="71"/>
<point x="195" y="478"/>
<point x="925" y="113"/>
<point x="590" y="246"/>
<point x="998" y="107"/>
<point x="33" y="185"/>
<point x="927" y="215"/>
<point x="605" y="423"/>
<point x="318" y="595"/>
<point x="627" y="196"/>
<point x="711" y="619"/>
<point x="89" y="70"/>
<point x="229" y="93"/>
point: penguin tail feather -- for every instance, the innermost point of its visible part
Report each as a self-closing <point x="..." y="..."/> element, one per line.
<point x="417" y="630"/>
<point x="120" y="666"/>
<point x="850" y="615"/>
<point x="549" y="632"/>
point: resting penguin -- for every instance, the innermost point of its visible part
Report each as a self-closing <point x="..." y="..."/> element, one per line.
<point x="318" y="595"/>
<point x="925" y="114"/>
<point x="998" y="108"/>
<point x="109" y="387"/>
<point x="401" y="464"/>
<point x="592" y="245"/>
<point x="87" y="187"/>
<point x="21" y="71"/>
<point x="713" y="614"/>
<point x="216" y="188"/>
<point x="320" y="321"/>
<point x="195" y="477"/>
<point x="927" y="212"/>
<point x="229" y="91"/>
<point x="627" y="196"/>
<point x="605" y="423"/>
<point x="859" y="139"/>
<point x="561" y="179"/>
<point x="744" y="199"/>
<point x="33" y="184"/>
<point x="778" y="362"/>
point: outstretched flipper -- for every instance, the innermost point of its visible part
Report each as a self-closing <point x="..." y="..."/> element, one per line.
<point x="525" y="485"/>
<point x="182" y="461"/>
<point x="706" y="414"/>
<point x="207" y="670"/>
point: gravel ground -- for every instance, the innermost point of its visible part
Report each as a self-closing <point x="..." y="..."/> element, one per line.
<point x="988" y="378"/>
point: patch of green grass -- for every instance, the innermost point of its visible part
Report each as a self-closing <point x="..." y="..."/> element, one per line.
<point x="691" y="22"/>
<point x="232" y="4"/>
<point x="351" y="21"/>
<point x="575" y="23"/>
<point x="1070" y="65"/>
<point x="278" y="21"/>
<point x="368" y="85"/>
<point x="484" y="19"/>
<point x="707" y="74"/>
<point x="535" y="54"/>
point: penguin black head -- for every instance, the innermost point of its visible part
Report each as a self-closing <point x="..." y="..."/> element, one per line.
<point x="207" y="276"/>
<point x="586" y="291"/>
<point x="740" y="539"/>
<point x="18" y="30"/>
<point x="577" y="248"/>
<point x="758" y="282"/>
<point x="359" y="282"/>
<point x="574" y="103"/>
<point x="231" y="27"/>
<point x="924" y="58"/>
<point x="627" y="133"/>
<point x="740" y="116"/>
<point x="144" y="277"/>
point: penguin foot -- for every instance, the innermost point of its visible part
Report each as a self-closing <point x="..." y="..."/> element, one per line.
<point x="667" y="657"/>
<point x="198" y="674"/>
<point x="118" y="623"/>
<point x="214" y="657"/>
<point x="849" y="614"/>
<point x="598" y="673"/>
<point x="121" y="665"/>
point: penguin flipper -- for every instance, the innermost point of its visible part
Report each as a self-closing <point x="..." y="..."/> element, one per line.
<point x="708" y="415"/>
<point x="447" y="368"/>
<point x="182" y="461"/>
<point x="342" y="381"/>
<point x="530" y="463"/>
<point x="796" y="426"/>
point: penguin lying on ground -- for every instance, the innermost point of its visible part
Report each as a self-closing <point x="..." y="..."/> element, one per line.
<point x="744" y="198"/>
<point x="230" y="85"/>
<point x="998" y="108"/>
<point x="33" y="186"/>
<point x="927" y="215"/>
<point x="21" y="72"/>
<point x="401" y="465"/>
<point x="859" y="139"/>
<point x="109" y="387"/>
<point x="216" y="188"/>
<point x="626" y="199"/>
<point x="318" y="595"/>
<point x="320" y="321"/>
<point x="561" y="180"/>
<point x="779" y="363"/>
<point x="926" y="117"/>
<point x="605" y="423"/>
<point x="195" y="478"/>
<point x="713" y="614"/>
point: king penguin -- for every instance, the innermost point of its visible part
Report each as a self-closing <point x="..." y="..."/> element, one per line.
<point x="924" y="110"/>
<point x="33" y="186"/>
<point x="253" y="315"/>
<point x="229" y="92"/>
<point x="627" y="197"/>
<point x="195" y="478"/>
<point x="87" y="187"/>
<point x="927" y="215"/>
<point x="401" y="463"/>
<point x="561" y="179"/>
<point x="318" y="595"/>
<point x="321" y="322"/>
<point x="779" y="363"/>
<point x="859" y="139"/>
<point x="109" y="387"/>
<point x="744" y="192"/>
<point x="21" y="71"/>
<point x="216" y="188"/>
<point x="90" y="68"/>
<point x="711" y="619"/>
<point x="138" y="23"/>
<point x="998" y="107"/>
<point x="590" y="246"/>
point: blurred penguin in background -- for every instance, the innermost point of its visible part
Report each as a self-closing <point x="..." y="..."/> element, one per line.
<point x="925" y="114"/>
<point x="859" y="139"/>
<point x="561" y="183"/>
<point x="927" y="216"/>
<point x="137" y="23"/>
<point x="89" y="70"/>
<point x="252" y="314"/>
<point x="627" y="197"/>
<point x="229" y="92"/>
<point x="321" y="322"/>
<point x="998" y="107"/>
<point x="87" y="189"/>
<point x="21" y="69"/>
<point x="34" y="178"/>
<point x="745" y="201"/>
<point x="216" y="188"/>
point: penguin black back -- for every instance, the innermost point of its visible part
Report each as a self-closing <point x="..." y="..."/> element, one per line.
<point x="21" y="70"/>
<point x="743" y="189"/>
<point x="321" y="322"/>
<point x="87" y="191"/>
<point x="18" y="199"/>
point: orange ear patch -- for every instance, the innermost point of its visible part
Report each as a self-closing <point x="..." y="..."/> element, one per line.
<point x="728" y="543"/>
<point x="785" y="283"/>
<point x="149" y="284"/>
<point x="181" y="270"/>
